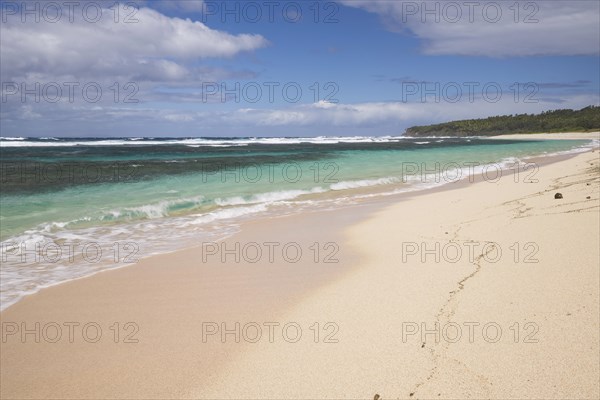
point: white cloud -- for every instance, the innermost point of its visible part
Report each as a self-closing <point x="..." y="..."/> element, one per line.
<point x="28" y="113"/>
<point x="179" y="117"/>
<point x="373" y="118"/>
<point x="157" y="47"/>
<point x="562" y="27"/>
<point x="393" y="114"/>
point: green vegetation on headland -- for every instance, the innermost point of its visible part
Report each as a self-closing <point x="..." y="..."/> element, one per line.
<point x="586" y="119"/>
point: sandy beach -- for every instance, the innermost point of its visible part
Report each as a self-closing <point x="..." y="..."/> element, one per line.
<point x="554" y="136"/>
<point x="483" y="290"/>
<point x="300" y="200"/>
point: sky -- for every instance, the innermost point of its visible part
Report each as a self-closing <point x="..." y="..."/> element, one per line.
<point x="288" y="68"/>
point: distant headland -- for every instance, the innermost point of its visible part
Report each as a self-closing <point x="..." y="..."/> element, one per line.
<point x="566" y="120"/>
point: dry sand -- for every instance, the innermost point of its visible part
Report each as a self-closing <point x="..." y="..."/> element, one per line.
<point x="554" y="299"/>
<point x="546" y="136"/>
<point x="544" y="298"/>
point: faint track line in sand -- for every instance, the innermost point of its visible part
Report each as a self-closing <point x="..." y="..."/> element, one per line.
<point x="445" y="314"/>
<point x="522" y="210"/>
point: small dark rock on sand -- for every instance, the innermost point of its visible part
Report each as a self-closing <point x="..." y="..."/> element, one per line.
<point x="558" y="196"/>
<point x="588" y="197"/>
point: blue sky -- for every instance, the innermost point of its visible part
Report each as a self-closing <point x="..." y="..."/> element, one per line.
<point x="363" y="67"/>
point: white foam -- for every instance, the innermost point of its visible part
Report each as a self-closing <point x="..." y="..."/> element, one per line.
<point x="198" y="142"/>
<point x="12" y="138"/>
<point x="156" y="210"/>
<point x="228" y="213"/>
<point x="208" y="142"/>
<point x="592" y="144"/>
<point x="344" y="185"/>
<point x="268" y="197"/>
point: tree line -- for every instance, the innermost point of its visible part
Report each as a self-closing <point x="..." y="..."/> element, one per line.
<point x="566" y="120"/>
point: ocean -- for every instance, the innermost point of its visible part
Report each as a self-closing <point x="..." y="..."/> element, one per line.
<point x="72" y="207"/>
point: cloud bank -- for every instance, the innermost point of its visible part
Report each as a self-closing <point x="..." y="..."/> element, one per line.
<point x="494" y="28"/>
<point x="144" y="44"/>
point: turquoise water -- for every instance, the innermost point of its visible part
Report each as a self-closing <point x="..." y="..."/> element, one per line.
<point x="148" y="196"/>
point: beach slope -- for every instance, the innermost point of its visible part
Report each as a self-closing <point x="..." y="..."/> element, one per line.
<point x="488" y="290"/>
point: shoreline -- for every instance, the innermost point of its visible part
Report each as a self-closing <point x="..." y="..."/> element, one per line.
<point x="259" y="292"/>
<point x="552" y="136"/>
<point x="378" y="199"/>
<point x="554" y="303"/>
